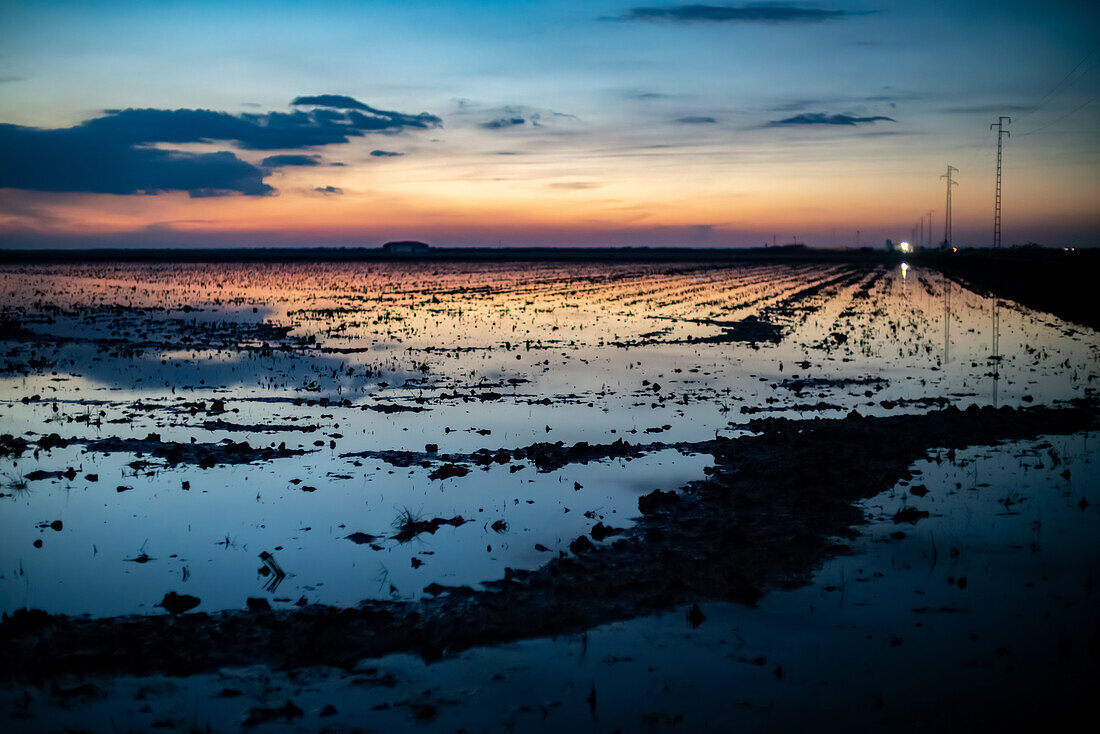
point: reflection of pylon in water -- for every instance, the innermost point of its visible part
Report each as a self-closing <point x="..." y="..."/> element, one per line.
<point x="946" y="319"/>
<point x="996" y="357"/>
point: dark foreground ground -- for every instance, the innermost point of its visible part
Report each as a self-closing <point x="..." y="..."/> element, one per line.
<point x="775" y="506"/>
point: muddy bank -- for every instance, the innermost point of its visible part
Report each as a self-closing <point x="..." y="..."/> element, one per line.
<point x="769" y="514"/>
<point x="205" y="455"/>
<point x="545" y="456"/>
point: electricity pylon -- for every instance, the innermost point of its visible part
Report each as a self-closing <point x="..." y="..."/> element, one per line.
<point x="1001" y="132"/>
<point x="947" y="216"/>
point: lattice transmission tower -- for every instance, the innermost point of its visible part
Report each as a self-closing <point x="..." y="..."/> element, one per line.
<point x="1001" y="132"/>
<point x="947" y="216"/>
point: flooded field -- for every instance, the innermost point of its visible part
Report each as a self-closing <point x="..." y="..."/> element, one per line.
<point x="519" y="495"/>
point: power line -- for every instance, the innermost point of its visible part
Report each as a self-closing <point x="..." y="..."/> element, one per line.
<point x="1078" y="108"/>
<point x="1062" y="81"/>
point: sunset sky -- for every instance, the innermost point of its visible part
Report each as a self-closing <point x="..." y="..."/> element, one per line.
<point x="543" y="123"/>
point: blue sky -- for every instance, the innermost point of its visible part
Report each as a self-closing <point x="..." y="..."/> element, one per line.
<point x="564" y="122"/>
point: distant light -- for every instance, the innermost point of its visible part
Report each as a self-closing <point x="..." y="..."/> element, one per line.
<point x="903" y="246"/>
<point x="904" y="268"/>
<point x="954" y="249"/>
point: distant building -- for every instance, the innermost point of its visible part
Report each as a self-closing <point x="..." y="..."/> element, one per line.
<point x="890" y="245"/>
<point x="405" y="247"/>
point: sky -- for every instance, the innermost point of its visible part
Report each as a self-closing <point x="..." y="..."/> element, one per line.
<point x="455" y="122"/>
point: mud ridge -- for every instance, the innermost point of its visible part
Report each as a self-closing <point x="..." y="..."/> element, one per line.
<point x="205" y="455"/>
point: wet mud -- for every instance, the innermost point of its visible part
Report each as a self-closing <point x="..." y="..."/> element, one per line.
<point x="776" y="505"/>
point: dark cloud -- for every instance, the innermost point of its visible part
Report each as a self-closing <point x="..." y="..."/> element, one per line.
<point x="504" y="123"/>
<point x="114" y="153"/>
<point x="373" y="119"/>
<point x="519" y="115"/>
<point x="391" y="121"/>
<point x="277" y="161"/>
<point x="251" y="131"/>
<point x="329" y="190"/>
<point x="337" y="101"/>
<point x="512" y="116"/>
<point x="385" y="154"/>
<point x="81" y="160"/>
<point x="820" y="118"/>
<point x="695" y="120"/>
<point x="775" y="13"/>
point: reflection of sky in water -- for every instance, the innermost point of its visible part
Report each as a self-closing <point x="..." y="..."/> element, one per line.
<point x="909" y="643"/>
<point x="208" y="539"/>
<point x="527" y="352"/>
<point x="553" y="325"/>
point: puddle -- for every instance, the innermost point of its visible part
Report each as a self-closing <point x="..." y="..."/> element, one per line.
<point x="925" y="628"/>
<point x="206" y="540"/>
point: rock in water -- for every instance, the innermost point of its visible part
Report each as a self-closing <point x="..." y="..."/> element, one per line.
<point x="175" y="603"/>
<point x="695" y="616"/>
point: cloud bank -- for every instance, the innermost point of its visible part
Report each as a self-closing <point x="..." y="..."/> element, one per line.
<point x="278" y="161"/>
<point x="363" y="116"/>
<point x="115" y="154"/>
<point x="504" y="123"/>
<point x="820" y="118"/>
<point x="80" y="160"/>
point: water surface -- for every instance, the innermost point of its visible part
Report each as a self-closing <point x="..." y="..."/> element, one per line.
<point x="365" y="367"/>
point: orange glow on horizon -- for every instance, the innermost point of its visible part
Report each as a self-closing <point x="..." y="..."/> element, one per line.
<point x="544" y="201"/>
